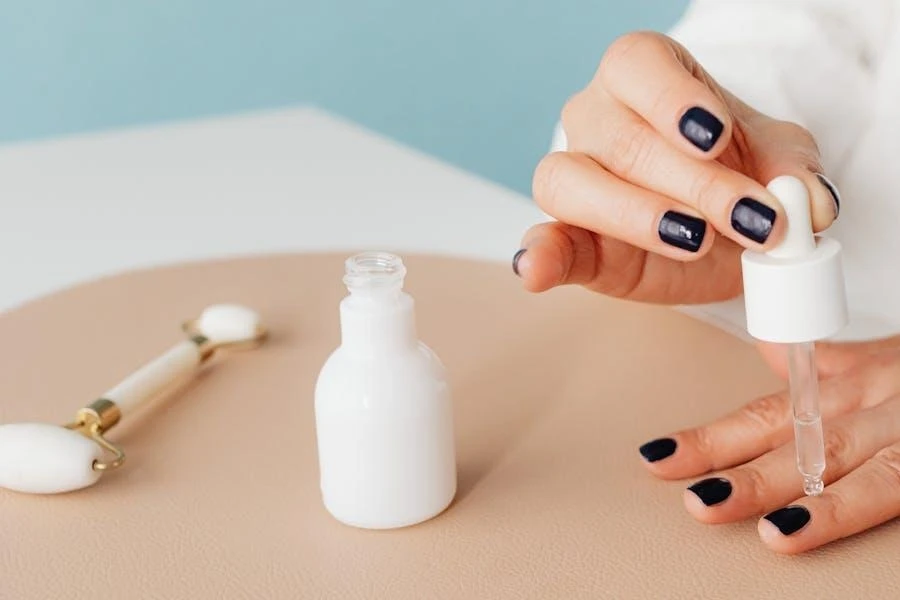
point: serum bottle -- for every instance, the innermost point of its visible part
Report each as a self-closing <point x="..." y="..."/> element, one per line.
<point x="384" y="421"/>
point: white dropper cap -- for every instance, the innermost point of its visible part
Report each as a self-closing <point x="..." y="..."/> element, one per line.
<point x="795" y="292"/>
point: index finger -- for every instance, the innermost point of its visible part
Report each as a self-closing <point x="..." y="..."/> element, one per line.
<point x="667" y="94"/>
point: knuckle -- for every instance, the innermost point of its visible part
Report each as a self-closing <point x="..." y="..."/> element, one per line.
<point x="758" y="487"/>
<point x="835" y="507"/>
<point x="892" y="403"/>
<point x="884" y="361"/>
<point x="574" y="111"/>
<point x="839" y="447"/>
<point x="887" y="461"/>
<point x="767" y="413"/>
<point x="796" y="130"/>
<point x="547" y="181"/>
<point x="615" y="59"/>
<point x="878" y="380"/>
<point x="806" y="144"/>
<point x="630" y="152"/>
<point x="704" y="191"/>
<point x="703" y="442"/>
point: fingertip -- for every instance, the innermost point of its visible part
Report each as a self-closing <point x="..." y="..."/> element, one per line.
<point x="786" y="530"/>
<point x="768" y="533"/>
<point x="773" y="538"/>
<point x="558" y="254"/>
<point x="825" y="206"/>
<point x="517" y="257"/>
<point x="666" y="459"/>
<point x="825" y="202"/>
<point x="706" y="129"/>
<point x="758" y="222"/>
<point x="703" y="513"/>
<point x="696" y="508"/>
<point x="685" y="237"/>
<point x="539" y="268"/>
<point x="656" y="453"/>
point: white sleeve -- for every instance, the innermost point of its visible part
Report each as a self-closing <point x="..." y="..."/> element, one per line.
<point x="795" y="59"/>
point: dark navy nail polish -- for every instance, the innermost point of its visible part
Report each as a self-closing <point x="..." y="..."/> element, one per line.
<point x="835" y="195"/>
<point x="682" y="231"/>
<point x="658" y="449"/>
<point x="515" y="260"/>
<point x="712" y="491"/>
<point x="753" y="219"/>
<point x="700" y="127"/>
<point x="789" y="519"/>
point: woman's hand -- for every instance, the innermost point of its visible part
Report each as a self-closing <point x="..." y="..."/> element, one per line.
<point x="661" y="187"/>
<point x="751" y="452"/>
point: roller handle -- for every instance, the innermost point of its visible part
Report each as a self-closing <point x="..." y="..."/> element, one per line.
<point x="178" y="362"/>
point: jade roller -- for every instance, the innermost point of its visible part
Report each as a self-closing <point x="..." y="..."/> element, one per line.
<point x="42" y="458"/>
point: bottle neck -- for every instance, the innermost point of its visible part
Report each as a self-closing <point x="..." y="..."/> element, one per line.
<point x="378" y="325"/>
<point x="377" y="317"/>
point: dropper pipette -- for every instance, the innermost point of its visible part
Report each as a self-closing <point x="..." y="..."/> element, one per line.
<point x="808" y="438"/>
<point x="794" y="295"/>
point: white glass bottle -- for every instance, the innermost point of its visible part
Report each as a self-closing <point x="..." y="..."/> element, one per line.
<point x="384" y="420"/>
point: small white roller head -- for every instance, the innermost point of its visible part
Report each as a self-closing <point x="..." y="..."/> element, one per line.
<point x="38" y="458"/>
<point x="225" y="323"/>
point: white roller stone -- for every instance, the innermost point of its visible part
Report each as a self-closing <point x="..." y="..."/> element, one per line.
<point x="40" y="458"/>
<point x="224" y="323"/>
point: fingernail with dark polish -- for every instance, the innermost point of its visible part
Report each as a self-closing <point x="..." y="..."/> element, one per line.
<point x="835" y="195"/>
<point x="753" y="219"/>
<point x="658" y="449"/>
<point x="712" y="491"/>
<point x="515" y="260"/>
<point x="682" y="231"/>
<point x="789" y="519"/>
<point x="700" y="127"/>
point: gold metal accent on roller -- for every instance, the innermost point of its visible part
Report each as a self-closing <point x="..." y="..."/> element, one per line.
<point x="102" y="414"/>
<point x="92" y="422"/>
<point x="208" y="347"/>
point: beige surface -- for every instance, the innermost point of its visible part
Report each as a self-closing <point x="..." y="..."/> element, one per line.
<point x="553" y="395"/>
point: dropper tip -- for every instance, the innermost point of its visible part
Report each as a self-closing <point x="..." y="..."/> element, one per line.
<point x="813" y="486"/>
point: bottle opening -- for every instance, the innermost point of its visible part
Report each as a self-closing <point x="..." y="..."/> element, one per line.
<point x="374" y="270"/>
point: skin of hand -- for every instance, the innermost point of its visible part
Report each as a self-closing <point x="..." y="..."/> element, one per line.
<point x="660" y="187"/>
<point x="751" y="453"/>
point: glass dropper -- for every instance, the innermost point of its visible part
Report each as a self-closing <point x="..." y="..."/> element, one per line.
<point x="794" y="295"/>
<point x="808" y="438"/>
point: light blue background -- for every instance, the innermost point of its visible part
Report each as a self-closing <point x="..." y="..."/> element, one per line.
<point x="478" y="83"/>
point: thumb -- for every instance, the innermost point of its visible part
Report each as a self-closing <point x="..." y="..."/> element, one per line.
<point x="785" y="148"/>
